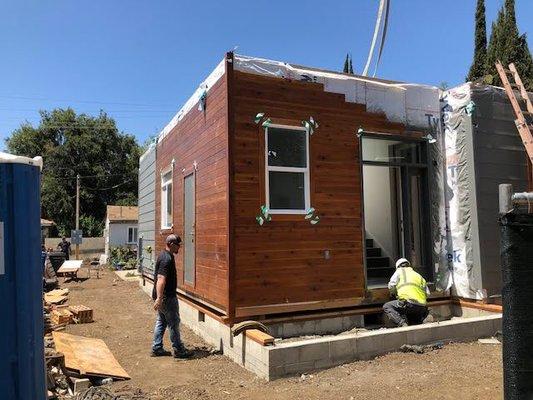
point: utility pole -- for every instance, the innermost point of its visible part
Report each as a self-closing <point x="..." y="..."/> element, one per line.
<point x="77" y="213"/>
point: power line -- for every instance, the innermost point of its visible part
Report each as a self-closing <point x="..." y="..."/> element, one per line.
<point x="87" y="101"/>
<point x="107" y="111"/>
<point x="108" y="188"/>
<point x="92" y="176"/>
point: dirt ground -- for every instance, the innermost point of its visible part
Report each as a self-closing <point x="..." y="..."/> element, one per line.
<point x="124" y="320"/>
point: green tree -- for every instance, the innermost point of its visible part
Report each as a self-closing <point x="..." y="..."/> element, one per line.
<point x="91" y="226"/>
<point x="477" y="70"/>
<point x="71" y="144"/>
<point x="348" y="67"/>
<point x="508" y="46"/>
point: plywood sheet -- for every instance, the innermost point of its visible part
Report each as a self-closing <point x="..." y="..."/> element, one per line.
<point x="88" y="356"/>
<point x="70" y="266"/>
<point x="57" y="296"/>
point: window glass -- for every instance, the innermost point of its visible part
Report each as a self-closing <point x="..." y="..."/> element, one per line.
<point x="287" y="148"/>
<point x="167" y="177"/>
<point x="392" y="151"/>
<point x="169" y="205"/>
<point x="132" y="235"/>
<point x="166" y="200"/>
<point x="287" y="190"/>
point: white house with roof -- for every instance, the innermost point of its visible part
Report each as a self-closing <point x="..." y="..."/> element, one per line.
<point x="121" y="227"/>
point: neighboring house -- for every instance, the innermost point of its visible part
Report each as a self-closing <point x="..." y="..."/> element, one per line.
<point x="46" y="228"/>
<point x="121" y="227"/>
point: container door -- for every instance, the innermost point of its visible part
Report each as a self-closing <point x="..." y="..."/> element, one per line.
<point x="189" y="222"/>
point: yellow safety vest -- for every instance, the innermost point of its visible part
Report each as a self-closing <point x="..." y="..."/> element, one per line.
<point x="411" y="286"/>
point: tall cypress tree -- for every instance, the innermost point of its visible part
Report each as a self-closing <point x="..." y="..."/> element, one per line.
<point x="351" y="66"/>
<point x="477" y="70"/>
<point x="346" y="69"/>
<point x="508" y="46"/>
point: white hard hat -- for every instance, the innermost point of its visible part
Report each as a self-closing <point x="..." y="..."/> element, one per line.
<point x="402" y="261"/>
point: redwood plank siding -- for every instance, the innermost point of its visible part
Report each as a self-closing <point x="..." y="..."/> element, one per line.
<point x="283" y="260"/>
<point x="202" y="138"/>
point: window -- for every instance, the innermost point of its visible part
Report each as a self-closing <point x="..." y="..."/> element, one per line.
<point x="166" y="200"/>
<point x="392" y="151"/>
<point x="287" y="169"/>
<point x="132" y="234"/>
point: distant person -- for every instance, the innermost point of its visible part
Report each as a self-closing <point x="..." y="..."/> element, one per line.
<point x="44" y="254"/>
<point x="411" y="290"/>
<point x="166" y="302"/>
<point x="64" y="246"/>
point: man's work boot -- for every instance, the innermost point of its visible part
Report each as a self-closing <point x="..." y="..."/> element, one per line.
<point x="160" y="353"/>
<point x="182" y="353"/>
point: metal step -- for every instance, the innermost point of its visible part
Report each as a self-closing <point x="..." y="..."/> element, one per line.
<point x="369" y="242"/>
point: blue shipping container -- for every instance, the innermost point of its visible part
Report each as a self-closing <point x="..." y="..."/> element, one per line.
<point x="22" y="369"/>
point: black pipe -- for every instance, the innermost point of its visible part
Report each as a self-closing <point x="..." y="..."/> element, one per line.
<point x="517" y="293"/>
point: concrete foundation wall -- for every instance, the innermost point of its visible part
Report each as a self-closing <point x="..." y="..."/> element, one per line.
<point x="309" y="355"/>
<point x="245" y="352"/>
<point x="290" y="358"/>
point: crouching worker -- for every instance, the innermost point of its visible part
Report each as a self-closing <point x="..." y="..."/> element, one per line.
<point x="166" y="302"/>
<point x="411" y="291"/>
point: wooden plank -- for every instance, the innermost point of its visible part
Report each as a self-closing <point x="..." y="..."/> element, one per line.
<point x="56" y="296"/>
<point x="88" y="356"/>
<point x="230" y="225"/>
<point x="264" y="339"/>
<point x="293" y="307"/>
<point x="69" y="266"/>
<point x="479" y="306"/>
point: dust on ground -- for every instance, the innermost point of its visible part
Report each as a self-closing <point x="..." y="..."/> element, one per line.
<point x="124" y="319"/>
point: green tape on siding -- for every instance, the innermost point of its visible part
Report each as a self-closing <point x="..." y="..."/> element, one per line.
<point x="259" y="117"/>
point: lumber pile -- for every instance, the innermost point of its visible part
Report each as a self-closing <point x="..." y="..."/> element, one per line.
<point x="81" y="314"/>
<point x="60" y="316"/>
<point x="75" y="365"/>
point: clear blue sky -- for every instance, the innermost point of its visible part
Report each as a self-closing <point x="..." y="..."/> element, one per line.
<point x="140" y="60"/>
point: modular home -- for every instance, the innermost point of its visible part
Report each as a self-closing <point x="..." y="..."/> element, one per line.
<point x="296" y="189"/>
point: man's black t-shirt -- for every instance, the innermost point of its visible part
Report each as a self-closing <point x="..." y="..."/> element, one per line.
<point x="165" y="266"/>
<point x="65" y="248"/>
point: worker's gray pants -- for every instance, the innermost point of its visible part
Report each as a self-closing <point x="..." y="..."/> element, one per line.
<point x="402" y="312"/>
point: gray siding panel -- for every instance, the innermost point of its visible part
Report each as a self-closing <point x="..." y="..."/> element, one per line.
<point x="147" y="175"/>
<point x="499" y="158"/>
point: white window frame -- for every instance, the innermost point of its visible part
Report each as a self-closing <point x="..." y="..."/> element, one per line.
<point x="164" y="184"/>
<point x="307" y="183"/>
<point x="136" y="236"/>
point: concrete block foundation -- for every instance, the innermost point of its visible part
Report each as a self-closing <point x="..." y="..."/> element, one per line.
<point x="336" y="346"/>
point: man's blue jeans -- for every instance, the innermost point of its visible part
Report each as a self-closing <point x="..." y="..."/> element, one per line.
<point x="168" y="317"/>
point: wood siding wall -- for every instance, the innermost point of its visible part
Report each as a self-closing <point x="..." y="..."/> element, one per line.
<point x="282" y="262"/>
<point x="201" y="138"/>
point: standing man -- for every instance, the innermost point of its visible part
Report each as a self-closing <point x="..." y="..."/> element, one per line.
<point x="166" y="302"/>
<point x="411" y="290"/>
<point x="64" y="246"/>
